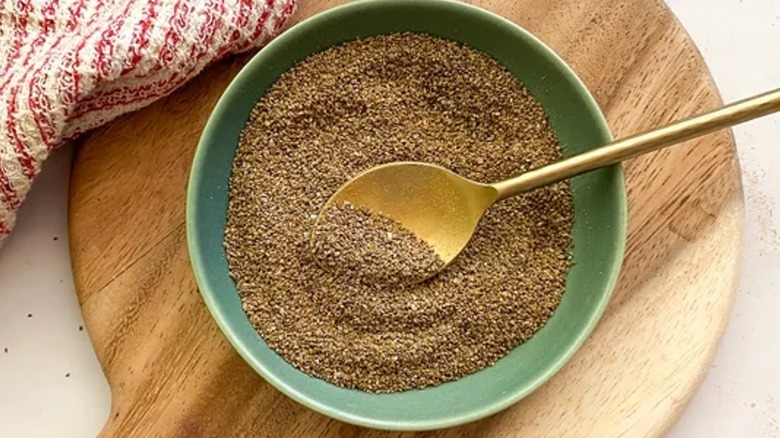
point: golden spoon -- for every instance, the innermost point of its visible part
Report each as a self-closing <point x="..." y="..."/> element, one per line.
<point x="443" y="208"/>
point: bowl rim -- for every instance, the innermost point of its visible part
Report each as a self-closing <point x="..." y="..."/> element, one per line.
<point x="200" y="271"/>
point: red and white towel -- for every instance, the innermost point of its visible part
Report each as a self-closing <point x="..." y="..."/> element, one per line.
<point x="67" y="66"/>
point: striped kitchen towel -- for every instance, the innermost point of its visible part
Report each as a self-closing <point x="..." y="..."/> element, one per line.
<point x="67" y="66"/>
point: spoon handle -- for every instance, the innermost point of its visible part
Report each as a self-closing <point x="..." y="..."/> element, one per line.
<point x="643" y="143"/>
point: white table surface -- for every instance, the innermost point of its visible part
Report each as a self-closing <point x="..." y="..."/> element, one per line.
<point x="51" y="384"/>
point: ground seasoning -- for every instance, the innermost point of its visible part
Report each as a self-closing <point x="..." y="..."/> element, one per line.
<point x="398" y="97"/>
<point x="363" y="246"/>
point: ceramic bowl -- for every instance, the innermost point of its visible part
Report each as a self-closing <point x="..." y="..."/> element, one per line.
<point x="599" y="202"/>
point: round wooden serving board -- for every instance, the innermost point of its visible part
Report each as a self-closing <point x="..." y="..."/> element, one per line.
<point x="173" y="374"/>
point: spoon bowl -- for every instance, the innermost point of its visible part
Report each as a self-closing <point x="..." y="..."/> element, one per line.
<point x="436" y="204"/>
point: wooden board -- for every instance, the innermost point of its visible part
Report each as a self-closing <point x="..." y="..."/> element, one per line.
<point x="173" y="374"/>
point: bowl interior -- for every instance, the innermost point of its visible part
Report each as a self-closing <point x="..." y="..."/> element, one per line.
<point x="599" y="227"/>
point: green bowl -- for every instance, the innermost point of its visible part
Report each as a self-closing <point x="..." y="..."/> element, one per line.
<point x="599" y="203"/>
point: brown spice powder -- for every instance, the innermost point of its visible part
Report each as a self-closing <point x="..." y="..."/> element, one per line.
<point x="364" y="246"/>
<point x="397" y="97"/>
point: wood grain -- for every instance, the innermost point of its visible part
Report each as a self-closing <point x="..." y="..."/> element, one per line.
<point x="173" y="374"/>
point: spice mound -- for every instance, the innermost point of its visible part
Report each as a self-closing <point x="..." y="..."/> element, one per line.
<point x="399" y="97"/>
<point x="368" y="247"/>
